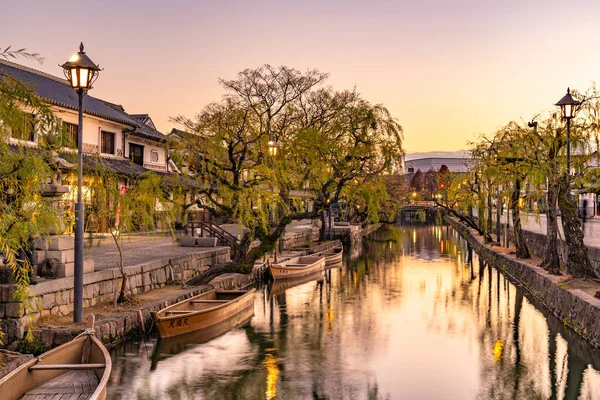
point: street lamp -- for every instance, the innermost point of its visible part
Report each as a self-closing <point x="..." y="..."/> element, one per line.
<point x="273" y="147"/>
<point x="81" y="72"/>
<point x="567" y="107"/>
<point x="273" y="150"/>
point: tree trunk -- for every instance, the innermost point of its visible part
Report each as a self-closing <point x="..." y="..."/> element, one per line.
<point x="578" y="263"/>
<point x="122" y="296"/>
<point x="551" y="261"/>
<point x="481" y="214"/>
<point x="243" y="247"/>
<point x="323" y="230"/>
<point x="520" y="244"/>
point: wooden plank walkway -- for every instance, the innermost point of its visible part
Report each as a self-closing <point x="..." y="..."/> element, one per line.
<point x="72" y="385"/>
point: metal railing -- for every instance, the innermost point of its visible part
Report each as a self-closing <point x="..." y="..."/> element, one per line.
<point x="214" y="230"/>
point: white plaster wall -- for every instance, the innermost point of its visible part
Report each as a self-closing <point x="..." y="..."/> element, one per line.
<point x="92" y="126"/>
<point x="149" y="146"/>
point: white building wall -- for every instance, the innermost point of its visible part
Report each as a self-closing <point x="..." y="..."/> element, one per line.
<point x="149" y="147"/>
<point x="92" y="126"/>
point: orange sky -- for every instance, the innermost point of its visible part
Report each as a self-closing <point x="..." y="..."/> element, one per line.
<point x="447" y="70"/>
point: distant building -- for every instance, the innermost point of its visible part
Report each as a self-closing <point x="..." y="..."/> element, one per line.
<point x="455" y="164"/>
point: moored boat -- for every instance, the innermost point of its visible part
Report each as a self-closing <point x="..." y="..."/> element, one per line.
<point x="78" y="369"/>
<point x="332" y="256"/>
<point x="202" y="311"/>
<point x="296" y="267"/>
<point x="279" y="286"/>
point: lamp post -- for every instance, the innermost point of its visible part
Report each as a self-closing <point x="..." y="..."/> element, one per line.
<point x="273" y="150"/>
<point x="81" y="72"/>
<point x="567" y="107"/>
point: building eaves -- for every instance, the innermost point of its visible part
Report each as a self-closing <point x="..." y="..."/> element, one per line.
<point x="58" y="92"/>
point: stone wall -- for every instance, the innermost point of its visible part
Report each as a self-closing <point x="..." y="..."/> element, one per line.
<point x="114" y="329"/>
<point x="296" y="239"/>
<point x="352" y="234"/>
<point x="55" y="297"/>
<point x="576" y="308"/>
<point x="9" y="361"/>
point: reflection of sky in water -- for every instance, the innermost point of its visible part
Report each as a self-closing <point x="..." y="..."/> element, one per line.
<point x="414" y="315"/>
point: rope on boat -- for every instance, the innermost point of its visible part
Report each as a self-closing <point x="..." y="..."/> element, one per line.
<point x="87" y="331"/>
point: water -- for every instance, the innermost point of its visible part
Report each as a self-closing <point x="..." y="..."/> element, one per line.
<point x="412" y="314"/>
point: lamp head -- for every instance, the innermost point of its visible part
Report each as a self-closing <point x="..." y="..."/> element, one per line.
<point x="567" y="105"/>
<point x="81" y="71"/>
<point x="273" y="147"/>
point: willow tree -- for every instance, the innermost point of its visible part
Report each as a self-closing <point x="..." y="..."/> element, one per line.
<point x="509" y="164"/>
<point x="535" y="155"/>
<point x="344" y="142"/>
<point x="121" y="210"/>
<point x="24" y="172"/>
<point x="583" y="133"/>
<point x="543" y="144"/>
<point x="227" y="147"/>
<point x="326" y="140"/>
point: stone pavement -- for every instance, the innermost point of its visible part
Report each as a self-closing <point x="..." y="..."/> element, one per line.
<point x="137" y="250"/>
<point x="142" y="249"/>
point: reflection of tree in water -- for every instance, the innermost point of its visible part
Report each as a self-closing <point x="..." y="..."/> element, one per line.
<point x="483" y="292"/>
<point x="301" y="343"/>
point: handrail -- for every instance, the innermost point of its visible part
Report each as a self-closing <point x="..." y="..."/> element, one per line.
<point x="216" y="231"/>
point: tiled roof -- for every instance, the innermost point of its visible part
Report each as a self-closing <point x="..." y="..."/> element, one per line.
<point x="58" y="92"/>
<point x="139" y="129"/>
<point x="144" y="119"/>
<point x="148" y="132"/>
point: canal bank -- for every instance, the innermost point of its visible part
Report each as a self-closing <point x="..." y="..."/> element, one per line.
<point x="159" y="289"/>
<point x="411" y="313"/>
<point x="575" y="307"/>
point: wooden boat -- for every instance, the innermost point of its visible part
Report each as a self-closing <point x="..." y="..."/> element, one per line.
<point x="279" y="286"/>
<point x="296" y="267"/>
<point x="167" y="347"/>
<point x="76" y="370"/>
<point x="202" y="311"/>
<point x="332" y="256"/>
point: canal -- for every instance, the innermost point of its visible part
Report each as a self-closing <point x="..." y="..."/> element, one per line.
<point x="411" y="314"/>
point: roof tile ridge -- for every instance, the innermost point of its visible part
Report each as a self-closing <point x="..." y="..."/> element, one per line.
<point x="33" y="71"/>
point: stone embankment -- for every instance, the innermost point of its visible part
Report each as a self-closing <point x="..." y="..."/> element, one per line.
<point x="576" y="308"/>
<point x="351" y="234"/>
<point x="115" y="328"/>
<point x="290" y="240"/>
<point x="55" y="297"/>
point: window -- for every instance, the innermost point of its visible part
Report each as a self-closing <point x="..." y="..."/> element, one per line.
<point x="70" y="135"/>
<point x="154" y="156"/>
<point x="107" y="142"/>
<point x="136" y="153"/>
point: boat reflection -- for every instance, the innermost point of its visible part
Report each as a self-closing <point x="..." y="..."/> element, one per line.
<point x="167" y="347"/>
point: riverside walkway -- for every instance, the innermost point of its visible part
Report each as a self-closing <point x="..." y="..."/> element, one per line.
<point x="536" y="223"/>
<point x="136" y="250"/>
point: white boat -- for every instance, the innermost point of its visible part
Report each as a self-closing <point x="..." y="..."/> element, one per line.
<point x="296" y="267"/>
<point x="332" y="256"/>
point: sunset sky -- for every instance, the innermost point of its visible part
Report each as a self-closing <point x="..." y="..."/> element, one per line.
<point x="447" y="70"/>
